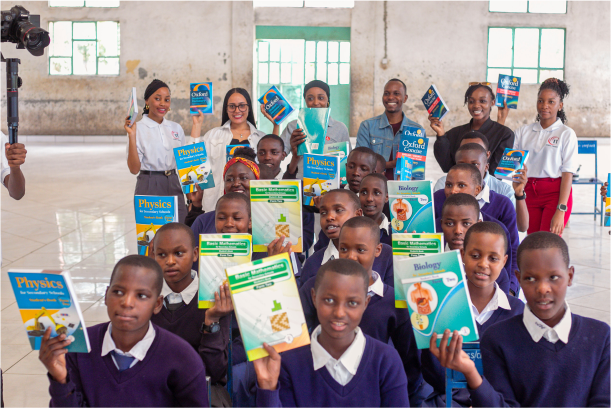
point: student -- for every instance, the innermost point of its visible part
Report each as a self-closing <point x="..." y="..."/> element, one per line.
<point x="460" y="212"/>
<point x="150" y="146"/>
<point x="336" y="207"/>
<point x="317" y="95"/>
<point x="270" y="154"/>
<point x="360" y="241"/>
<point x="206" y="330"/>
<point x="360" y="162"/>
<point x="383" y="133"/>
<point x="132" y="362"/>
<point x="479" y="99"/>
<point x="546" y="356"/>
<point x="374" y="196"/>
<point x="342" y="366"/>
<point x="552" y="161"/>
<point x="484" y="256"/>
<point x="11" y="175"/>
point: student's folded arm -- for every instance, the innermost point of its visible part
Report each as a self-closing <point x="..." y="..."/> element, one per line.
<point x="362" y="137"/>
<point x="189" y="387"/>
<point x="394" y="384"/>
<point x="599" y="391"/>
<point x="213" y="351"/>
<point x="495" y="389"/>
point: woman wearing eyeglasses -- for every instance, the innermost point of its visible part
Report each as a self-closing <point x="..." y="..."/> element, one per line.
<point x="479" y="99"/>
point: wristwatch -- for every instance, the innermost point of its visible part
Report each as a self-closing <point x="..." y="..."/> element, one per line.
<point x="189" y="201"/>
<point x="562" y="207"/>
<point x="522" y="197"/>
<point x="213" y="328"/>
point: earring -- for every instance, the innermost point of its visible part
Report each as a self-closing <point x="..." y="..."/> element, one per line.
<point x="169" y="109"/>
<point x="146" y="106"/>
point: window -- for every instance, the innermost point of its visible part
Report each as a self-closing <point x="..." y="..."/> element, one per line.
<point x="306" y="3"/>
<point x="84" y="48"/>
<point x="71" y="3"/>
<point x="518" y="6"/>
<point x="533" y="54"/>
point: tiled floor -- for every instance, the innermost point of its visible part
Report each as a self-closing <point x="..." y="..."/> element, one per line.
<point x="78" y="214"/>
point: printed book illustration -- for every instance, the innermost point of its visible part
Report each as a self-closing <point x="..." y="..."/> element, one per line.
<point x="276" y="212"/>
<point x="608" y="202"/>
<point x="230" y="150"/>
<point x="313" y="122"/>
<point x="414" y="245"/>
<point x="218" y="252"/>
<point x="151" y="213"/>
<point x="403" y="168"/>
<point x="411" y="206"/>
<point x="320" y="175"/>
<point x="276" y="105"/>
<point x="434" y="290"/>
<point x="47" y="299"/>
<point x="340" y="149"/>
<point x="434" y="104"/>
<point x="414" y="144"/>
<point x="200" y="98"/>
<point x="512" y="161"/>
<point x="508" y="90"/>
<point x="267" y="305"/>
<point x="132" y="109"/>
<point x="193" y="167"/>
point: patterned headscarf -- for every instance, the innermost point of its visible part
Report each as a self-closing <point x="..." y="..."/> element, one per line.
<point x="248" y="163"/>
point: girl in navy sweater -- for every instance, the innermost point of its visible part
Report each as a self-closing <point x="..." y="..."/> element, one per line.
<point x="342" y="366"/>
<point x="374" y="196"/>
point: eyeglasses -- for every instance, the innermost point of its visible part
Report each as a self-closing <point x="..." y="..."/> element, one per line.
<point x="242" y="107"/>
<point x="479" y="83"/>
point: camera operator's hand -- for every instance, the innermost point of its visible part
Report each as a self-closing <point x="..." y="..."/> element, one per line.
<point x="131" y="131"/>
<point x="15" y="154"/>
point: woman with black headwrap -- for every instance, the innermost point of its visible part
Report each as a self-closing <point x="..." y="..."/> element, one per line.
<point x="150" y="146"/>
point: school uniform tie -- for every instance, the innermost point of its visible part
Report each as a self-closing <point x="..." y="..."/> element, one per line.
<point x="124" y="362"/>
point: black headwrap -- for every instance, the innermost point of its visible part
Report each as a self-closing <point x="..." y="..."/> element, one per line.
<point x="317" y="84"/>
<point x="150" y="90"/>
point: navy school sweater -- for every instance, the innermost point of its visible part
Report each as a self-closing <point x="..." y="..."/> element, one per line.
<point x="379" y="381"/>
<point x="323" y="240"/>
<point x="186" y="322"/>
<point x="520" y="372"/>
<point x="171" y="375"/>
<point x="382" y="321"/>
<point x="501" y="209"/>
<point x="383" y="264"/>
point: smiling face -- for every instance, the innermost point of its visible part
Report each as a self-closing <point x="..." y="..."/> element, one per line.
<point x="316" y="98"/>
<point x="159" y="104"/>
<point x="335" y="210"/>
<point x="175" y="254"/>
<point x="394" y="97"/>
<point x="455" y="222"/>
<point x="358" y="165"/>
<point x="548" y="104"/>
<point x="235" y="104"/>
<point x="484" y="258"/>
<point x="461" y="181"/>
<point x="359" y="245"/>
<point x="480" y="104"/>
<point x="544" y="278"/>
<point x="237" y="179"/>
<point x="479" y="160"/>
<point x="232" y="217"/>
<point x="131" y="299"/>
<point x="373" y="196"/>
<point x="270" y="154"/>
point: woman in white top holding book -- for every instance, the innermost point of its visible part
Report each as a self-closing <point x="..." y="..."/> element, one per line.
<point x="552" y="150"/>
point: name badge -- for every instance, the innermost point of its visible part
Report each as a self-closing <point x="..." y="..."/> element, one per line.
<point x="553" y="141"/>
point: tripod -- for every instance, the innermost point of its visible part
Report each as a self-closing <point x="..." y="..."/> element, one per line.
<point x="13" y="83"/>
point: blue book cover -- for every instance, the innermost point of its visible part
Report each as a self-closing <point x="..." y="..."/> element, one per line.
<point x="508" y="90"/>
<point x="230" y="150"/>
<point x="434" y="290"/>
<point x="200" y="98"/>
<point x="512" y="161"/>
<point x="340" y="149"/>
<point x="320" y="175"/>
<point x="414" y="144"/>
<point x="193" y="166"/>
<point x="313" y="122"/>
<point x="434" y="104"/>
<point x="151" y="213"/>
<point x="403" y="168"/>
<point x="411" y="206"/>
<point x="47" y="299"/>
<point x="276" y="105"/>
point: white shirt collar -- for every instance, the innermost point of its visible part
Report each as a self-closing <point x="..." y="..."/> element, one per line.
<point x="186" y="295"/>
<point x="538" y="128"/>
<point x="484" y="196"/>
<point x="253" y="129"/>
<point x="344" y="369"/>
<point x="138" y="351"/>
<point x="377" y="288"/>
<point x="330" y="253"/>
<point x="537" y="329"/>
<point x="499" y="299"/>
<point x="151" y="123"/>
<point x="385" y="225"/>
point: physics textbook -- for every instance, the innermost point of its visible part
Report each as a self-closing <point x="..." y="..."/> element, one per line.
<point x="193" y="167"/>
<point x="151" y="213"/>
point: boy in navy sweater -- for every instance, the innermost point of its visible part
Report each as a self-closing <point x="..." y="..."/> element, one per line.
<point x="270" y="154"/>
<point x="342" y="366"/>
<point x="206" y="330"/>
<point x="374" y="196"/>
<point x="546" y="356"/>
<point x="484" y="255"/>
<point x="360" y="241"/>
<point x="132" y="361"/>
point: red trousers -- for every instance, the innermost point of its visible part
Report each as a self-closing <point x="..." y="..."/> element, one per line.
<point x="542" y="196"/>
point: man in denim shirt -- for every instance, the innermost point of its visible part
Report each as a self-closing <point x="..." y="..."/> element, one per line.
<point x="382" y="134"/>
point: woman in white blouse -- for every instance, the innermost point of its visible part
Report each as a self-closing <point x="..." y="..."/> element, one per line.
<point x="552" y="150"/>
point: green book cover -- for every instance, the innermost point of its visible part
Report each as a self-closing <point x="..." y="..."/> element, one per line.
<point x="313" y="122"/>
<point x="218" y="252"/>
<point x="341" y="149"/>
<point x="267" y="305"/>
<point x="411" y="206"/>
<point x="275" y="206"/>
<point x="434" y="290"/>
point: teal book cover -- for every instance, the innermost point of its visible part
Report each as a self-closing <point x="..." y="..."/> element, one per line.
<point x="414" y="144"/>
<point x="47" y="299"/>
<point x="404" y="168"/>
<point x="320" y="175"/>
<point x="411" y="206"/>
<point x="200" y="98"/>
<point x="508" y="90"/>
<point x="434" y="290"/>
<point x="193" y="166"/>
<point x="276" y="105"/>
<point x="314" y="123"/>
<point x="512" y="161"/>
<point x="151" y="213"/>
<point x="434" y="104"/>
<point x="340" y="149"/>
<point x="230" y="150"/>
